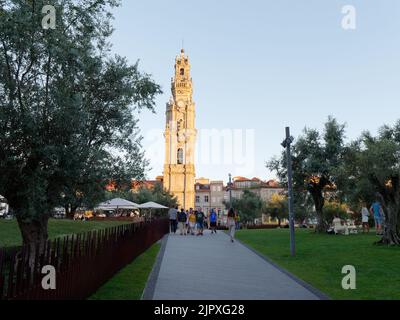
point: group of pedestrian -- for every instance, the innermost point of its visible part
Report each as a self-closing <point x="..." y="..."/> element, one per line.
<point x="376" y="210"/>
<point x="191" y="222"/>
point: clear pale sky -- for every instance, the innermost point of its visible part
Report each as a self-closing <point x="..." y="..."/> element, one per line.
<point x="263" y="65"/>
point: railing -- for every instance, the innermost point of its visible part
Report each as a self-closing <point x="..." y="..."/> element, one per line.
<point x="82" y="262"/>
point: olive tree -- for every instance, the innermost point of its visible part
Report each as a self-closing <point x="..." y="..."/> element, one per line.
<point x="68" y="108"/>
<point x="315" y="159"/>
<point x="372" y="172"/>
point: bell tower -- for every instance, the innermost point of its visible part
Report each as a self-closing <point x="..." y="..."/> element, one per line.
<point x="180" y="136"/>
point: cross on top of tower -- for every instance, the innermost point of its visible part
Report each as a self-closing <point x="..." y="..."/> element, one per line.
<point x="182" y="57"/>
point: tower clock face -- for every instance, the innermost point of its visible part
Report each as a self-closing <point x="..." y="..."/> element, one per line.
<point x="181" y="104"/>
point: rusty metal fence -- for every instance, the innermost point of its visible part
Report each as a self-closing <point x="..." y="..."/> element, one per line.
<point x="83" y="262"/>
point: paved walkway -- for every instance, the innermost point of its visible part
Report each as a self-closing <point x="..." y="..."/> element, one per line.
<point x="213" y="268"/>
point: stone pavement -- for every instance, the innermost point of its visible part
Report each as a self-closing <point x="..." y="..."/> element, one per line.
<point x="213" y="268"/>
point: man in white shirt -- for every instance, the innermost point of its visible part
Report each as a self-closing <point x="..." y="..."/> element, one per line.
<point x="339" y="227"/>
<point x="365" y="218"/>
<point x="172" y="213"/>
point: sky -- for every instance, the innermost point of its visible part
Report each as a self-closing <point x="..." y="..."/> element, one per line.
<point x="261" y="65"/>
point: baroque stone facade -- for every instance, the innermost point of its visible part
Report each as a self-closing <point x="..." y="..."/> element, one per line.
<point x="180" y="136"/>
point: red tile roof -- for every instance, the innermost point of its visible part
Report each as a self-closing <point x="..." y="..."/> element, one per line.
<point x="149" y="184"/>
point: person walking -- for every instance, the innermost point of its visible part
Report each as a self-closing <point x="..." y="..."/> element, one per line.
<point x="200" y="222"/>
<point x="237" y="220"/>
<point x="205" y="221"/>
<point x="187" y="220"/>
<point x="213" y="221"/>
<point x="192" y="222"/>
<point x="365" y="218"/>
<point x="182" y="218"/>
<point x="172" y="213"/>
<point x="232" y="223"/>
<point x="208" y="222"/>
<point x="377" y="211"/>
<point x="187" y="226"/>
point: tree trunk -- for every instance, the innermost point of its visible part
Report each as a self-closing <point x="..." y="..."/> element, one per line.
<point x="34" y="234"/>
<point x="390" y="232"/>
<point x="34" y="231"/>
<point x="319" y="202"/>
<point x="322" y="226"/>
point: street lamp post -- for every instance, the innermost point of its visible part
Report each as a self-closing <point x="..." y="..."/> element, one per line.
<point x="230" y="191"/>
<point x="287" y="144"/>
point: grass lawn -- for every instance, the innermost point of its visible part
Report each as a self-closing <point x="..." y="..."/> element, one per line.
<point x="130" y="282"/>
<point x="320" y="259"/>
<point x="10" y="234"/>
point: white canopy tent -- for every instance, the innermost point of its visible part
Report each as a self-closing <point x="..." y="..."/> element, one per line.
<point x="3" y="206"/>
<point x="116" y="204"/>
<point x="152" y="205"/>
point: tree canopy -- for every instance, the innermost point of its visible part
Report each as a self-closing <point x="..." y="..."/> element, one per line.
<point x="249" y="206"/>
<point x="277" y="207"/>
<point x="68" y="109"/>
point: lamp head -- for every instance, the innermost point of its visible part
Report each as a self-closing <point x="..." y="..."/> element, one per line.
<point x="287" y="142"/>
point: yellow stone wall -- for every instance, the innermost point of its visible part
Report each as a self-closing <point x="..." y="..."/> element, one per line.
<point x="180" y="134"/>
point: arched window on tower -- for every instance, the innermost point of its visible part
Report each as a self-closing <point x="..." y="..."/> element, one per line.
<point x="182" y="72"/>
<point x="180" y="156"/>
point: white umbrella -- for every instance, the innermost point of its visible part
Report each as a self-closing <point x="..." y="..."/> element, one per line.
<point x="116" y="204"/>
<point x="152" y="205"/>
<point x="3" y="206"/>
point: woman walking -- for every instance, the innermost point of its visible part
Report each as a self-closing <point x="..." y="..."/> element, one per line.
<point x="232" y="223"/>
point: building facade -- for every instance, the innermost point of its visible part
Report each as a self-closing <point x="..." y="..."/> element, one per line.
<point x="264" y="189"/>
<point x="210" y="195"/>
<point x="203" y="195"/>
<point x="217" y="197"/>
<point x="180" y="136"/>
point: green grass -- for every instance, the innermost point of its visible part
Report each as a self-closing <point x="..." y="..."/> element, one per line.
<point x="320" y="259"/>
<point x="130" y="282"/>
<point x="11" y="236"/>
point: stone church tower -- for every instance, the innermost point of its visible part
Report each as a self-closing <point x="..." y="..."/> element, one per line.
<point x="180" y="136"/>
